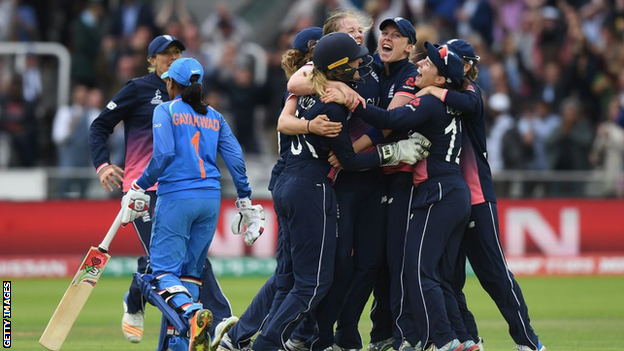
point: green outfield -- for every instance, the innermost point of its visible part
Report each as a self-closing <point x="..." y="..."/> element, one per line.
<point x="581" y="313"/>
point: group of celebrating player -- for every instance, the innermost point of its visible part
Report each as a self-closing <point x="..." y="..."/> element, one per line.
<point x="382" y="187"/>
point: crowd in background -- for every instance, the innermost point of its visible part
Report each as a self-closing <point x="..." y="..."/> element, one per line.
<point x="551" y="70"/>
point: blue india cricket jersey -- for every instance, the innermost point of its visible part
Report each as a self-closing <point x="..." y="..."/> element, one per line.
<point x="185" y="151"/>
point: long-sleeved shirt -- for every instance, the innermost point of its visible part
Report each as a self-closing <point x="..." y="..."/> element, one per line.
<point x="185" y="151"/>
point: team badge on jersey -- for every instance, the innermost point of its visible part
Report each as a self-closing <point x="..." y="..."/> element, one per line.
<point x="157" y="99"/>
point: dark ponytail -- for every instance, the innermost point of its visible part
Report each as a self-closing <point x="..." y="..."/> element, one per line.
<point x="192" y="95"/>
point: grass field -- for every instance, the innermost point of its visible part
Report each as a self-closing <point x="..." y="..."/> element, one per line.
<point x="580" y="313"/>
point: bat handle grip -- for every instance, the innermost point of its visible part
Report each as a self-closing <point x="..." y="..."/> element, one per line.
<point x="103" y="247"/>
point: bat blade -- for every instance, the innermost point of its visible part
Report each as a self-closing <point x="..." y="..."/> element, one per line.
<point x="73" y="301"/>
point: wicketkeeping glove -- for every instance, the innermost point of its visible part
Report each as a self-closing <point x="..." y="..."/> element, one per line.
<point x="134" y="204"/>
<point x="249" y="220"/>
<point x="422" y="145"/>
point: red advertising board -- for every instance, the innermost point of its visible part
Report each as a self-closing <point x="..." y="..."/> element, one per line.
<point x="539" y="236"/>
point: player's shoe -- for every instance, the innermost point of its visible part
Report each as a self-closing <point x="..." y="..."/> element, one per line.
<point x="339" y="348"/>
<point x="470" y="346"/>
<point x="132" y="323"/>
<point x="453" y="345"/>
<point x="480" y="344"/>
<point x="296" y="345"/>
<point x="222" y="328"/>
<point x="199" y="325"/>
<point x="227" y="345"/>
<point x="406" y="346"/>
<point x="380" y="345"/>
<point x="540" y="347"/>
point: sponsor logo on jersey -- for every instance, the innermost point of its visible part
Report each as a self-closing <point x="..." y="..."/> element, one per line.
<point x="414" y="103"/>
<point x="391" y="92"/>
<point x="157" y="99"/>
<point x="111" y="105"/>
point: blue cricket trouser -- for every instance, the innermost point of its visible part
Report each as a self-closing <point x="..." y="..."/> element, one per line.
<point x="441" y="209"/>
<point x="481" y="243"/>
<point x="306" y="206"/>
<point x="211" y="294"/>
<point x="183" y="230"/>
<point x="359" y="253"/>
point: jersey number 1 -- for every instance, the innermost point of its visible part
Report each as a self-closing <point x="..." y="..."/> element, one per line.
<point x="195" y="143"/>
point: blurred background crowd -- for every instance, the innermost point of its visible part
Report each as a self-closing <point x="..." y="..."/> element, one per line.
<point x="552" y="72"/>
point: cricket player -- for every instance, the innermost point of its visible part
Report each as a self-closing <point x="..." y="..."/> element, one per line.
<point x="187" y="137"/>
<point x="134" y="105"/>
<point x="481" y="242"/>
<point x="440" y="204"/>
<point x="305" y="201"/>
<point x="251" y="321"/>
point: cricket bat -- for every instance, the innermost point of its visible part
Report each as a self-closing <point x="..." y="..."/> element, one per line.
<point x="78" y="292"/>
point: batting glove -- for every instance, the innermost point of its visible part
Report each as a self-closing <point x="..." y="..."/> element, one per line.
<point x="249" y="220"/>
<point x="134" y="204"/>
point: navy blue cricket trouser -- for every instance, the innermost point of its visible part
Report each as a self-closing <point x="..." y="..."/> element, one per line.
<point x="257" y="313"/>
<point x="440" y="213"/>
<point x="359" y="254"/>
<point x="481" y="244"/>
<point x="306" y="206"/>
<point x="387" y="291"/>
<point x="254" y="317"/>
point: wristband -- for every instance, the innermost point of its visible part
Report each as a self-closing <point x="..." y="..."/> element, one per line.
<point x="443" y="97"/>
<point x="309" y="125"/>
<point x="101" y="166"/>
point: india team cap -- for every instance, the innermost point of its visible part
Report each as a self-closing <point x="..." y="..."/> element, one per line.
<point x="405" y="27"/>
<point x="449" y="65"/>
<point x="161" y="43"/>
<point x="304" y="36"/>
<point x="464" y="50"/>
<point x="182" y="69"/>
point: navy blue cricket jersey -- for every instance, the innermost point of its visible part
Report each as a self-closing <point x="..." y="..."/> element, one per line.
<point x="369" y="90"/>
<point x="437" y="122"/>
<point x="474" y="164"/>
<point x="134" y="105"/>
<point x="283" y="145"/>
<point x="315" y="148"/>
<point x="401" y="80"/>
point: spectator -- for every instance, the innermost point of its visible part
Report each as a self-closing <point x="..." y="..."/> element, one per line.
<point x="499" y="104"/>
<point x="18" y="120"/>
<point x="243" y="96"/>
<point x="86" y="39"/>
<point x="535" y="125"/>
<point x="222" y="25"/>
<point x="568" y="147"/>
<point x="607" y="152"/>
<point x="70" y="134"/>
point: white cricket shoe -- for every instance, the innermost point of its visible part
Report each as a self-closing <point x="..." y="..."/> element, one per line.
<point x="223" y="327"/>
<point x="132" y="324"/>
<point x="540" y="347"/>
